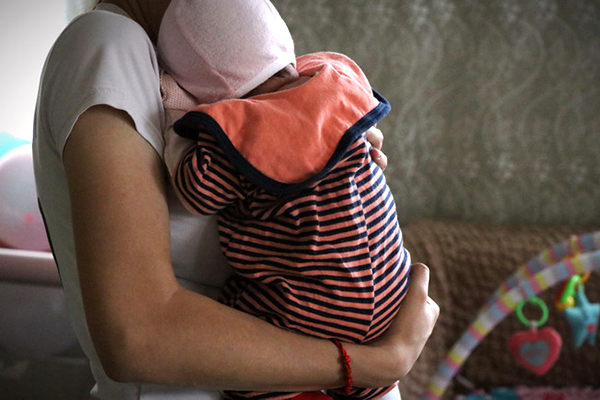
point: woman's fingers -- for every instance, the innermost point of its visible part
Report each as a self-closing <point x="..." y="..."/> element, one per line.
<point x="375" y="137"/>
<point x="379" y="158"/>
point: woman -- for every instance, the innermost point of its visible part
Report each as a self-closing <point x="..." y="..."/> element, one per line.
<point x="138" y="282"/>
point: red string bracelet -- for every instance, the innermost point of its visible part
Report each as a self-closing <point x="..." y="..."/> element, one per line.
<point x="347" y="369"/>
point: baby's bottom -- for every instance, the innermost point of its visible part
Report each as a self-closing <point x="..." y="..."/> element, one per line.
<point x="387" y="393"/>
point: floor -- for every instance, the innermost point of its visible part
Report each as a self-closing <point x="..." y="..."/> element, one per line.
<point x="61" y="377"/>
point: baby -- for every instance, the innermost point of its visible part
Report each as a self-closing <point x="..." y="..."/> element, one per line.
<point x="276" y="147"/>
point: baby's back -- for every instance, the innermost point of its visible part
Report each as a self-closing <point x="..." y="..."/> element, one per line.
<point x="328" y="261"/>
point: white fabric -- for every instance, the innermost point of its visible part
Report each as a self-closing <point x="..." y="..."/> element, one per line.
<point x="109" y="59"/>
<point x="393" y="394"/>
<point x="221" y="49"/>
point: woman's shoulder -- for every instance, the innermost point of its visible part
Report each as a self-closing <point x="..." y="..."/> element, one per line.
<point x="104" y="31"/>
<point x="110" y="59"/>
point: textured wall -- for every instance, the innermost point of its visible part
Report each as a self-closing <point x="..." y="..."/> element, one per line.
<point x="496" y="103"/>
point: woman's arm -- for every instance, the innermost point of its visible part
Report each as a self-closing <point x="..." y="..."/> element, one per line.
<point x="146" y="328"/>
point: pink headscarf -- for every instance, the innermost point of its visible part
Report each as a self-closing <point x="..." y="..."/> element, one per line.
<point x="222" y="49"/>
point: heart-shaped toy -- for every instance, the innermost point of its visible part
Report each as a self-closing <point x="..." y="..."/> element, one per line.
<point x="536" y="350"/>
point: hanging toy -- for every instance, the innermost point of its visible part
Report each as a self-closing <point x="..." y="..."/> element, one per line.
<point x="536" y="349"/>
<point x="580" y="313"/>
<point x="566" y="294"/>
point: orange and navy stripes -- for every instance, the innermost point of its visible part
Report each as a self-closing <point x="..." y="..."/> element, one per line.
<point x="328" y="261"/>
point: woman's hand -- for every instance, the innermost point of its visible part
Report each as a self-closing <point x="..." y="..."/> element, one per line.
<point x="401" y="345"/>
<point x="415" y="320"/>
<point x="375" y="137"/>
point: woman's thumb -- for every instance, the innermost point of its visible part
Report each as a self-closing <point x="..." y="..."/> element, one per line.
<point x="419" y="276"/>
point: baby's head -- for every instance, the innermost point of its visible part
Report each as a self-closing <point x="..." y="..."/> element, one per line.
<point x="223" y="49"/>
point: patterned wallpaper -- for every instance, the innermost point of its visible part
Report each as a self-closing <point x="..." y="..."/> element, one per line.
<point x="495" y="104"/>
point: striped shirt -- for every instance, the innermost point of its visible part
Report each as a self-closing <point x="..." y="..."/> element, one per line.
<point x="306" y="218"/>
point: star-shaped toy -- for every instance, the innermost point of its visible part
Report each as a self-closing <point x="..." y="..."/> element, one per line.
<point x="583" y="318"/>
